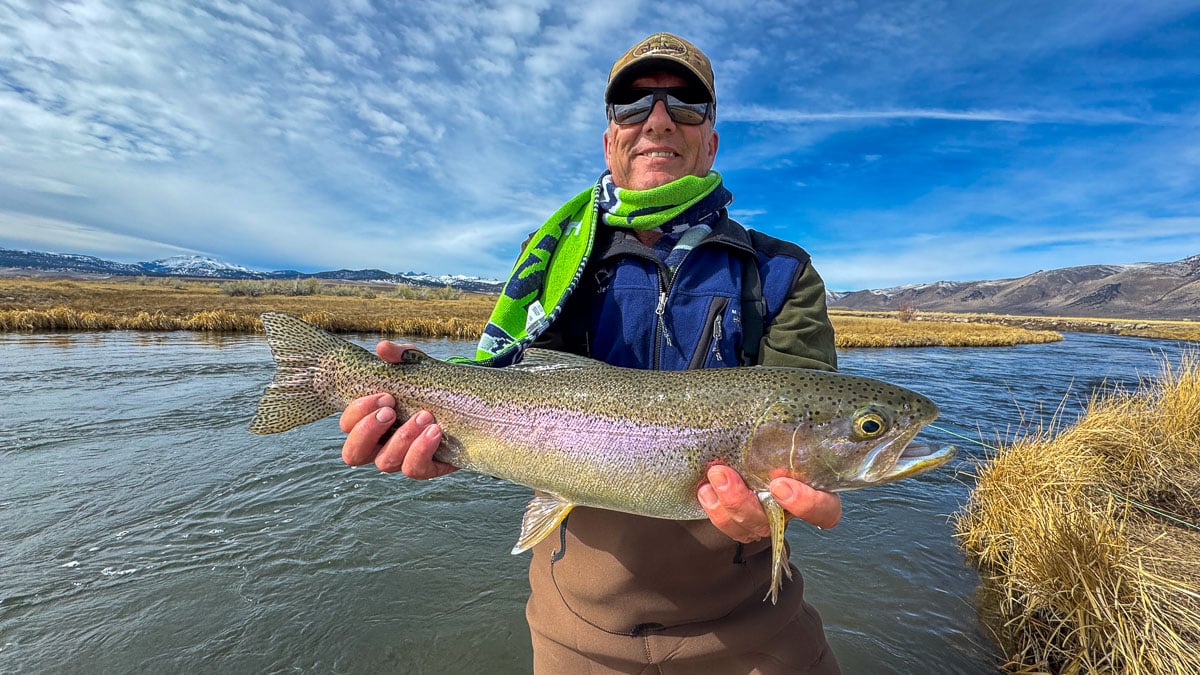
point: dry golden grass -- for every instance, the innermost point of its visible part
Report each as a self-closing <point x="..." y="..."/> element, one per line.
<point x="1088" y="540"/>
<point x="126" y="304"/>
<point x="174" y="304"/>
<point x="867" y="331"/>
<point x="1162" y="329"/>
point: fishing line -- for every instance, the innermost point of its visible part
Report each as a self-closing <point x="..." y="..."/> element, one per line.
<point x="1150" y="509"/>
<point x="964" y="437"/>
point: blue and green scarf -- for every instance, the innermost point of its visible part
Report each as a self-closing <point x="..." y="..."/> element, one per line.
<point x="553" y="259"/>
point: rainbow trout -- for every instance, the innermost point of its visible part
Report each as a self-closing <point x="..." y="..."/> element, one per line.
<point x="584" y="433"/>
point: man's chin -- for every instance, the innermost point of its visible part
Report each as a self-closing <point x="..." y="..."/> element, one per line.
<point x="647" y="179"/>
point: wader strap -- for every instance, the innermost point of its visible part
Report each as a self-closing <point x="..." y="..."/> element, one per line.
<point x="562" y="541"/>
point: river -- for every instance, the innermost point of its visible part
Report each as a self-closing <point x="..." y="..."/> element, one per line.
<point x="144" y="530"/>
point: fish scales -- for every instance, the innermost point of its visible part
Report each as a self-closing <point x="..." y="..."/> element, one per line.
<point x="575" y="446"/>
<point x="581" y="432"/>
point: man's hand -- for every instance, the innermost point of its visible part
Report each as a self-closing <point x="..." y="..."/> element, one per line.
<point x="735" y="510"/>
<point x="410" y="448"/>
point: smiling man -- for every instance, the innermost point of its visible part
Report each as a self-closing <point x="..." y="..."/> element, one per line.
<point x="657" y="149"/>
<point x="645" y="269"/>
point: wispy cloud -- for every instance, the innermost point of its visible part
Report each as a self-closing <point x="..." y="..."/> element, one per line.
<point x="48" y="234"/>
<point x="755" y="113"/>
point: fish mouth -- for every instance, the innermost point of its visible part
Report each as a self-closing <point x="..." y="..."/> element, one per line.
<point x="918" y="458"/>
<point x="900" y="458"/>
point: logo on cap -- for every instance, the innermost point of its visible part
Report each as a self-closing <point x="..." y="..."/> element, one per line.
<point x="667" y="45"/>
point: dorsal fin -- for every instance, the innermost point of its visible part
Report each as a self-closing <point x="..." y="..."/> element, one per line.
<point x="548" y="359"/>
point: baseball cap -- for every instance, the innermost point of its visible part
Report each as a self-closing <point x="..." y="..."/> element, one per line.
<point x="662" y="51"/>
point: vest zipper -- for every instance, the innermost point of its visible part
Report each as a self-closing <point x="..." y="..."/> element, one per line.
<point x="659" y="311"/>
<point x="666" y="282"/>
<point x="716" y="339"/>
<point x="661" y="333"/>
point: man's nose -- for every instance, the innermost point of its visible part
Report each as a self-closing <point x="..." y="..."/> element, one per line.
<point x="659" y="118"/>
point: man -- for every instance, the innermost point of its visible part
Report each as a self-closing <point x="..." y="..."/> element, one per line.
<point x="647" y="270"/>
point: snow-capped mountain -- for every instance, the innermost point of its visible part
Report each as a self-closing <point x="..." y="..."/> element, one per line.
<point x="64" y="262"/>
<point x="205" y="267"/>
<point x="196" y="266"/>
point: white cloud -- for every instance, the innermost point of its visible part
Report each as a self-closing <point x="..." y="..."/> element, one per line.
<point x="39" y="233"/>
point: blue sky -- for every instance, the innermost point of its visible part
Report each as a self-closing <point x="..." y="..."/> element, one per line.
<point x="898" y="142"/>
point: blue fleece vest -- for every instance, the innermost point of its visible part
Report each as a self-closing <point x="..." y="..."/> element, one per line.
<point x="637" y="320"/>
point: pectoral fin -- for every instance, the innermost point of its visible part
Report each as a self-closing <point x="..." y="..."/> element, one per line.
<point x="779" y="562"/>
<point x="544" y="513"/>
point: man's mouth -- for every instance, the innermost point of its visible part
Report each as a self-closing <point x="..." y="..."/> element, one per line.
<point x="659" y="154"/>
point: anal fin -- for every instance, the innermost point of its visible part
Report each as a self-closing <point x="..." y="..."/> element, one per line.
<point x="544" y="513"/>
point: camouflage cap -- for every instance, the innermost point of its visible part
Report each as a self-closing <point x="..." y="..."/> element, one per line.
<point x="662" y="51"/>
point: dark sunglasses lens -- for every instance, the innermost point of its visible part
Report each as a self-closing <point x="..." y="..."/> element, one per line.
<point x="632" y="112"/>
<point x="686" y="113"/>
<point x="637" y="111"/>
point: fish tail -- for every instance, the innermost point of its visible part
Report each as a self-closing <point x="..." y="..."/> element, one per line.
<point x="293" y="397"/>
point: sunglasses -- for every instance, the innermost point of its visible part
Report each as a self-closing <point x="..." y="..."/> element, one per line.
<point x="685" y="105"/>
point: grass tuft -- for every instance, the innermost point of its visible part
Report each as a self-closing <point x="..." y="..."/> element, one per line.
<point x="1088" y="539"/>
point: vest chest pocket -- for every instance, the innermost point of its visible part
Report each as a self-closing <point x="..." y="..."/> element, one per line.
<point x="715" y="346"/>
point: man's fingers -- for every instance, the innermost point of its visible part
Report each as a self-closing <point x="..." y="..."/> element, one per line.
<point x="735" y="510"/>
<point x="815" y="507"/>
<point x="419" y="462"/>
<point x="732" y="507"/>
<point x="721" y="518"/>
<point x="372" y="434"/>
<point x="362" y="440"/>
<point x="398" y="446"/>
<point x="362" y="407"/>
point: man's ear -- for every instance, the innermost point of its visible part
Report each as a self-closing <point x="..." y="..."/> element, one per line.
<point x="607" y="163"/>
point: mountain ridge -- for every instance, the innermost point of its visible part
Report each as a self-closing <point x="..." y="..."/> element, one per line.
<point x="1169" y="290"/>
<point x="1144" y="290"/>
<point x="196" y="266"/>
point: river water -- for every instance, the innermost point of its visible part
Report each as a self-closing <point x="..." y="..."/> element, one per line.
<point x="142" y="529"/>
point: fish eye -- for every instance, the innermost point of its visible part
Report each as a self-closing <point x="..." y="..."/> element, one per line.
<point x="869" y="425"/>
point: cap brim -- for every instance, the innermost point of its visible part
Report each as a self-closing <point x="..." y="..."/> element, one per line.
<point x="655" y="64"/>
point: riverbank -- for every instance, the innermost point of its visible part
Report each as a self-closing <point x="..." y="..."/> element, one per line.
<point x="854" y="331"/>
<point x="175" y="304"/>
<point x="1161" y="329"/>
<point x="1087" y="538"/>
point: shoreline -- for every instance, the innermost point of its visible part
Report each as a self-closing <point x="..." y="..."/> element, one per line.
<point x="38" y="304"/>
<point x="1158" y="329"/>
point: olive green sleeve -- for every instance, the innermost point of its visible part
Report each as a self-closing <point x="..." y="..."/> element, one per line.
<point x="801" y="336"/>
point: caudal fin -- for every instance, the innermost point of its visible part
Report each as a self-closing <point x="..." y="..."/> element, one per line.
<point x="293" y="397"/>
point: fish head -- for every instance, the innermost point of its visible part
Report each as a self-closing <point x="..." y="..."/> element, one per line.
<point x="842" y="432"/>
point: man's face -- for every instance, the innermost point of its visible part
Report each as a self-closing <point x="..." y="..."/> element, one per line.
<point x="658" y="150"/>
